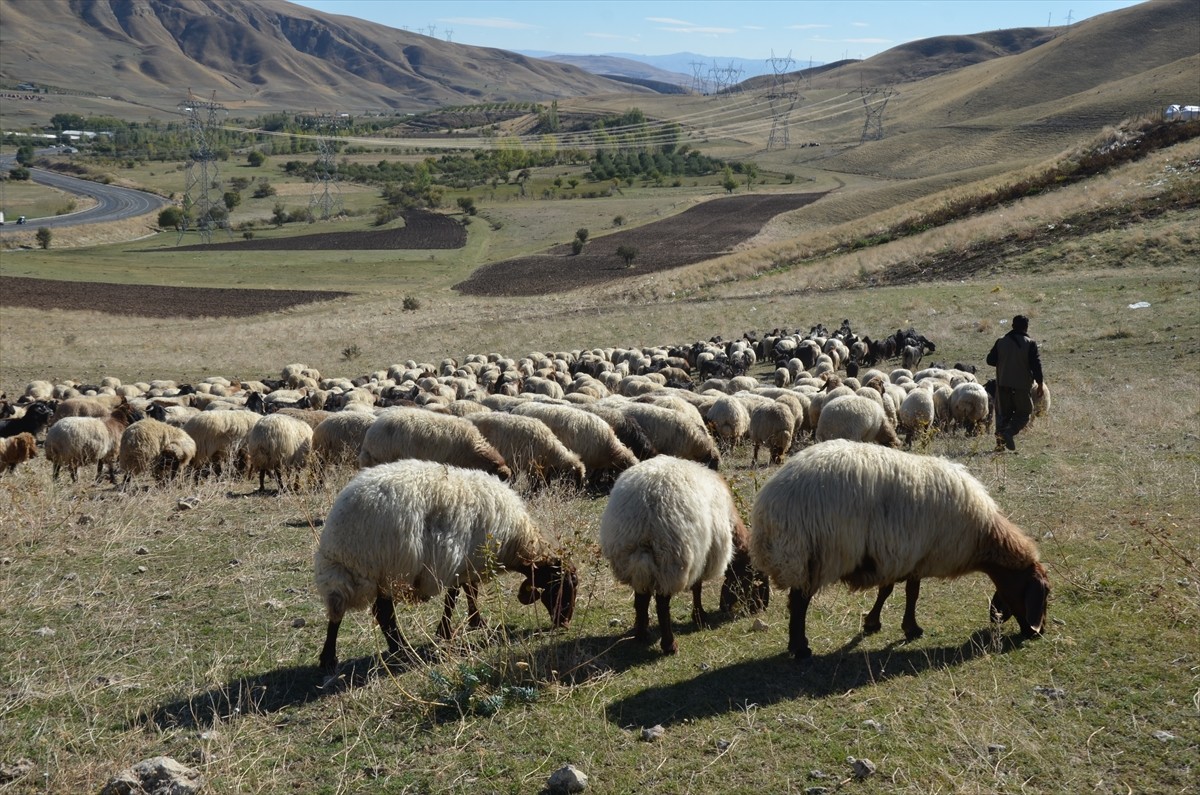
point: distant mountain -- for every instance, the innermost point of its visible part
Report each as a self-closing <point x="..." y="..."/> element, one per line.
<point x="621" y="67"/>
<point x="681" y="66"/>
<point x="258" y="55"/>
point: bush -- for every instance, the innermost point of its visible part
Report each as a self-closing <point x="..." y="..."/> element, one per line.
<point x="264" y="190"/>
<point x="171" y="217"/>
<point x="43" y="236"/>
<point x="19" y="173"/>
<point x="411" y="303"/>
<point x="619" y="220"/>
<point x="256" y="158"/>
<point x="576" y="246"/>
<point x="581" y="234"/>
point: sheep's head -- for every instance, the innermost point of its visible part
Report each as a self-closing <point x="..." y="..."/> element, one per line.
<point x="744" y="586"/>
<point x="555" y="583"/>
<point x="1024" y="598"/>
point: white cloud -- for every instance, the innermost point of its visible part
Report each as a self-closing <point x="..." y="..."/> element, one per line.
<point x="490" y="22"/>
<point x="813" y="26"/>
<point x="701" y="30"/>
<point x="669" y="21"/>
<point x="867" y="41"/>
<point x="610" y="37"/>
<point x="859" y="25"/>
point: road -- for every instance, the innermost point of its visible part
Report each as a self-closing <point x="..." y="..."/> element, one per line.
<point x="112" y="203"/>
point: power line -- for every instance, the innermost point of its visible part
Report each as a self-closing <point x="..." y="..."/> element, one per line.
<point x="201" y="174"/>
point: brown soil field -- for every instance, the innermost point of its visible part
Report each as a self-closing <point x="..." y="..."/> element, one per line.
<point x="703" y="232"/>
<point x="145" y="300"/>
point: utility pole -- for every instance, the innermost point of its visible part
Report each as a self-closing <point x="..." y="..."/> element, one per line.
<point x="201" y="172"/>
<point x="782" y="97"/>
<point x="874" y="101"/>
<point x="326" y="198"/>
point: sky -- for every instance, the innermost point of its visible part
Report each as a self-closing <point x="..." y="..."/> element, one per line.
<point x="821" y="30"/>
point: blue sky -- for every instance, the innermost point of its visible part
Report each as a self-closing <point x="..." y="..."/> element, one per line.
<point x="823" y="31"/>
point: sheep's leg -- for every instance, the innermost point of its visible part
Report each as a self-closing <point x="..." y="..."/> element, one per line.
<point x="385" y="613"/>
<point x="641" y="617"/>
<point x="912" y="589"/>
<point x="474" y="619"/>
<point x="262" y="475"/>
<point x="798" y="609"/>
<point x="99" y="470"/>
<point x="698" y="615"/>
<point x="279" y="478"/>
<point x="662" y="605"/>
<point x="446" y="626"/>
<point x="871" y="621"/>
<point x="328" y="661"/>
<point x="754" y="456"/>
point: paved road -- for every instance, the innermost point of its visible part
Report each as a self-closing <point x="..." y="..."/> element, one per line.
<point x="112" y="203"/>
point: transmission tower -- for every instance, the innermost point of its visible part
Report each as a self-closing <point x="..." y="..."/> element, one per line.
<point x="325" y="201"/>
<point x="782" y="97"/>
<point x="699" y="84"/>
<point x="874" y="100"/>
<point x="201" y="174"/>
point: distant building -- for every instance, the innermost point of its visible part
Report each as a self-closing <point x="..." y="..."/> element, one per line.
<point x="1182" y="112"/>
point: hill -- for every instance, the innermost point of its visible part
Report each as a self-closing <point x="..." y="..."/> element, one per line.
<point x="609" y="65"/>
<point x="116" y="57"/>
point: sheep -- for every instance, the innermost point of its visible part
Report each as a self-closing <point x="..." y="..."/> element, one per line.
<point x="74" y="441"/>
<point x="220" y="437"/>
<point x="627" y="429"/>
<point x="1041" y="400"/>
<point x="671" y="524"/>
<point x="871" y="517"/>
<point x="418" y="433"/>
<point x="414" y="528"/>
<point x="530" y="447"/>
<point x="588" y="436"/>
<point x="916" y="414"/>
<point x="858" y="419"/>
<point x="970" y="407"/>
<point x="36" y="417"/>
<point x="17" y="450"/>
<point x="338" y="437"/>
<point x="149" y="444"/>
<point x="675" y="432"/>
<point x="730" y="421"/>
<point x="278" y="442"/>
<point x="772" y="424"/>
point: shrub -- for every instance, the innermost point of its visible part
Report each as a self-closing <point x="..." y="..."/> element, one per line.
<point x="256" y="158"/>
<point x="264" y="190"/>
<point x="18" y="173"/>
<point x="171" y="217"/>
<point x="43" y="236"/>
<point x="576" y="246"/>
<point x="627" y="253"/>
<point x="619" y="220"/>
<point x="411" y="303"/>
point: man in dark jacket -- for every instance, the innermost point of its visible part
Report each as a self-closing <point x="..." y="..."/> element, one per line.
<point x="1018" y="369"/>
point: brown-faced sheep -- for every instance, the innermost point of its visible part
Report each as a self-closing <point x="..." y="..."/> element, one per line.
<point x="17" y="450"/>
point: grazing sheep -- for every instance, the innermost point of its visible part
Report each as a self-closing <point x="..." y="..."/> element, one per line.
<point x="75" y="441"/>
<point x="588" y="436"/>
<point x="338" y="438"/>
<point x="858" y="419"/>
<point x="629" y="433"/>
<point x="970" y="407"/>
<point x="429" y="436"/>
<point x="278" y="442"/>
<point x="17" y="450"/>
<point x="220" y="438"/>
<point x="730" y="421"/>
<point x="413" y="528"/>
<point x="674" y="432"/>
<point x="36" y="417"/>
<point x="150" y="445"/>
<point x="916" y="414"/>
<point x="669" y="525"/>
<point x="871" y="517"/>
<point x="530" y="447"/>
<point x="772" y="424"/>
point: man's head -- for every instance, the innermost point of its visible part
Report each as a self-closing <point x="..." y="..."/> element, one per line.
<point x="1020" y="323"/>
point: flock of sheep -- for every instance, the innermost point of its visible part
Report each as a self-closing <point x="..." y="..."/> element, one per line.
<point x="445" y="452"/>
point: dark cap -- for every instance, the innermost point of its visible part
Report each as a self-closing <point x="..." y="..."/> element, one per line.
<point x="1020" y="323"/>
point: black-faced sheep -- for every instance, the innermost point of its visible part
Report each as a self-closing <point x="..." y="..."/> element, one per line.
<point x="36" y="417"/>
<point x="429" y="436"/>
<point x="152" y="446"/>
<point x="871" y="517"/>
<point x="413" y="528"/>
<point x="669" y="525"/>
<point x="17" y="450"/>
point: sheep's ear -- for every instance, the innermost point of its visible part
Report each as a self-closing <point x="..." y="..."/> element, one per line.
<point x="527" y="594"/>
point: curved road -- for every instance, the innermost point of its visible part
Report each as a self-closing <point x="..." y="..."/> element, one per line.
<point x="112" y="203"/>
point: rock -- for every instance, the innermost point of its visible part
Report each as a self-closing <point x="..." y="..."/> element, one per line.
<point x="16" y="770"/>
<point x="723" y="745"/>
<point x="863" y="768"/>
<point x="44" y="632"/>
<point x="161" y="775"/>
<point x="1052" y="693"/>
<point x="653" y="733"/>
<point x="5" y="561"/>
<point x="142" y="570"/>
<point x="567" y="778"/>
<point x="1163" y="736"/>
<point x="297" y="623"/>
<point x="273" y="604"/>
<point x="614" y="622"/>
<point x="816" y="791"/>
<point x="997" y="748"/>
<point x="873" y="724"/>
<point x="141" y="551"/>
<point x="85" y="519"/>
<point x="187" y="503"/>
<point x="759" y="625"/>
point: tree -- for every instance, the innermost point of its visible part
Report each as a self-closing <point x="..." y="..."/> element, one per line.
<point x="171" y="217"/>
<point x="618" y="220"/>
<point x="279" y="215"/>
<point x="728" y="182"/>
<point x="627" y="253"/>
<point x="232" y="199"/>
<point x="256" y="158"/>
<point x="263" y="190"/>
<point x="25" y="154"/>
<point x="18" y="173"/>
<point x="582" y="234"/>
<point x="467" y="205"/>
<point x="577" y="246"/>
<point x="43" y="236"/>
<point x="751" y="172"/>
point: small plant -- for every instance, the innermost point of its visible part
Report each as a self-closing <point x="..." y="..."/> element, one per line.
<point x="43" y="236"/>
<point x="576" y="246"/>
<point x="351" y="352"/>
<point x="248" y="235"/>
<point x="619" y="220"/>
<point x="411" y="303"/>
<point x="581" y="235"/>
<point x="627" y="253"/>
<point x="478" y="689"/>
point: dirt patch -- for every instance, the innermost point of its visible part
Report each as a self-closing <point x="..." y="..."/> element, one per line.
<point x="143" y="300"/>
<point x="421" y="230"/>
<point x="705" y="231"/>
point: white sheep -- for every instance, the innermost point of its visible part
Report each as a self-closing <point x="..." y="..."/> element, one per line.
<point x="149" y="445"/>
<point x="530" y="447"/>
<point x="671" y="524"/>
<point x="858" y="419"/>
<point x="587" y="435"/>
<point x="338" y="437"/>
<point x="278" y="442"/>
<point x="970" y="407"/>
<point x="772" y="424"/>
<point x="730" y="421"/>
<point x="871" y="517"/>
<point x="220" y="437"/>
<point x="916" y="414"/>
<point x="75" y="441"/>
<point x="677" y="432"/>
<point x="418" y="433"/>
<point x="413" y="528"/>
